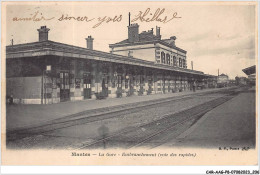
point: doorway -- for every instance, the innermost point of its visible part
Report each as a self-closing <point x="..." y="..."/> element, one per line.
<point x="64" y="86"/>
<point x="87" y="86"/>
<point x="105" y="86"/>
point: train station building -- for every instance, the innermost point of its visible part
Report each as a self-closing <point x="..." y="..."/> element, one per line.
<point x="47" y="72"/>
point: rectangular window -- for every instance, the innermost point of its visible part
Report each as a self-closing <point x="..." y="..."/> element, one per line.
<point x="180" y="64"/>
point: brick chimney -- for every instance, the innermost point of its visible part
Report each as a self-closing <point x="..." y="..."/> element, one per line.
<point x="90" y="42"/>
<point x="43" y="33"/>
<point x="158" y="33"/>
<point x="133" y="33"/>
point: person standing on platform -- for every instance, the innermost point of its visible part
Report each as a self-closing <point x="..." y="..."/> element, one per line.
<point x="194" y="86"/>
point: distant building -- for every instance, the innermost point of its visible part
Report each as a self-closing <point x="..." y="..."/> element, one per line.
<point x="241" y="81"/>
<point x="232" y="83"/>
<point x="251" y="72"/>
<point x="150" y="47"/>
<point x="252" y="78"/>
<point x="222" y="80"/>
<point x="212" y="81"/>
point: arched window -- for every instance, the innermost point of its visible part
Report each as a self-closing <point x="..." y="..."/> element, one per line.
<point x="168" y="59"/>
<point x="174" y="61"/>
<point x="163" y="57"/>
<point x="180" y="62"/>
<point x="184" y="63"/>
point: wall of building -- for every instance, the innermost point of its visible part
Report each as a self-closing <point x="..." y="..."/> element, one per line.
<point x="25" y="90"/>
<point x="151" y="52"/>
<point x="134" y="79"/>
<point x="252" y="79"/>
<point x="144" y="52"/>
<point x="173" y="53"/>
<point x="222" y="79"/>
<point x="24" y="67"/>
<point x="170" y="49"/>
<point x="76" y="92"/>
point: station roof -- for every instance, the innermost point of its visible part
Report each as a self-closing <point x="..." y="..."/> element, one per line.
<point x="163" y="42"/>
<point x="148" y="37"/>
<point x="60" y="49"/>
<point x="249" y="70"/>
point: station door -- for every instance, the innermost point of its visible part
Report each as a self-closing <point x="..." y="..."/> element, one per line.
<point x="64" y="86"/>
<point x="119" y="83"/>
<point x="131" y="86"/>
<point x="87" y="86"/>
<point x="163" y="85"/>
<point x="150" y="84"/>
<point x="141" y="83"/>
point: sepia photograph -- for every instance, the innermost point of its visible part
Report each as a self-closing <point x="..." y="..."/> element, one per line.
<point x="129" y="83"/>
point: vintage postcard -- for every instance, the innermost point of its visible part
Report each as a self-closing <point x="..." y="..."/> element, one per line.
<point x="129" y="83"/>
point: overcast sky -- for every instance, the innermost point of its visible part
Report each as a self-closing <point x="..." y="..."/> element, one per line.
<point x="215" y="36"/>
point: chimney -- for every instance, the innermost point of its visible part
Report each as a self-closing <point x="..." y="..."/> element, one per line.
<point x="43" y="33"/>
<point x="158" y="33"/>
<point x="90" y="42"/>
<point x="133" y="33"/>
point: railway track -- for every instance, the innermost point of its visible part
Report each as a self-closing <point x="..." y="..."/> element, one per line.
<point x="94" y="115"/>
<point x="157" y="132"/>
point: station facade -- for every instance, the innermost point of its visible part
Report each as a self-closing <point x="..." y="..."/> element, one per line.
<point x="47" y="72"/>
<point x="150" y="47"/>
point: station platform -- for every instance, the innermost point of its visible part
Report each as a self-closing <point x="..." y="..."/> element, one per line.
<point x="19" y="116"/>
<point x="231" y="125"/>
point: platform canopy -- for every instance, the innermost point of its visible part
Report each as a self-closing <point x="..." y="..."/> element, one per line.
<point x="47" y="48"/>
<point x="250" y="70"/>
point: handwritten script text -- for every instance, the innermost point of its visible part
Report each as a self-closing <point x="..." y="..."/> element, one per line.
<point x="159" y="15"/>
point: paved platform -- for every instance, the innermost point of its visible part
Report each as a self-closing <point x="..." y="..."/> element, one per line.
<point x="27" y="115"/>
<point x="232" y="124"/>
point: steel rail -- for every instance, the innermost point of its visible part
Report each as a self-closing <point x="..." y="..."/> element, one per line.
<point x="27" y="132"/>
<point x="222" y="100"/>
